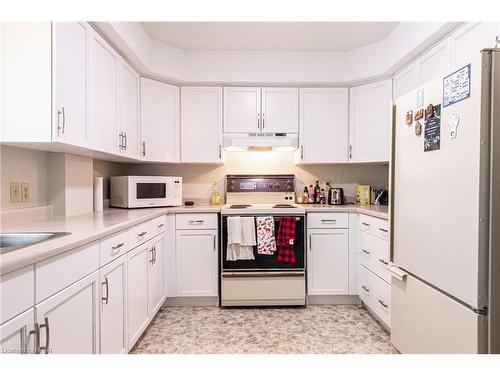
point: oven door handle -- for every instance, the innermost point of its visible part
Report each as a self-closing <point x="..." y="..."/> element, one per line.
<point x="262" y="274"/>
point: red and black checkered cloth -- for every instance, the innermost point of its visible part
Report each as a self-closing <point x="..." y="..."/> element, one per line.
<point x="286" y="232"/>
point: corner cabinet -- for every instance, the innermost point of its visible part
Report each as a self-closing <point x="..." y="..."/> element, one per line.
<point x="370" y="122"/>
<point x="201" y="125"/>
<point x="160" y="121"/>
<point x="323" y="125"/>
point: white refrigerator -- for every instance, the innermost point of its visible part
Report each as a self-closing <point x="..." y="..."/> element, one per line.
<point x="445" y="213"/>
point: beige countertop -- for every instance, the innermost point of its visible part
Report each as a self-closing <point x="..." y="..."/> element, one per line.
<point x="87" y="228"/>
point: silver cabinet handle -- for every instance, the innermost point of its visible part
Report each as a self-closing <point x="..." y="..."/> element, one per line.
<point x="105" y="283"/>
<point x="35" y="332"/>
<point x="152" y="260"/>
<point x="215" y="245"/>
<point x="120" y="140"/>
<point x="383" y="230"/>
<point x="366" y="289"/>
<point x="117" y="246"/>
<point x="383" y="303"/>
<point x="196" y="222"/>
<point x="328" y="220"/>
<point x="383" y="261"/>
<point x="365" y="224"/>
<point x="160" y="225"/>
<point x="220" y="152"/>
<point x="310" y="242"/>
<point x="263" y="121"/>
<point x="365" y="251"/>
<point x="350" y="151"/>
<point x="141" y="234"/>
<point x="47" y="335"/>
<point x="154" y="254"/>
<point x="143" y="148"/>
<point x="125" y="140"/>
<point x="63" y="127"/>
<point x="258" y="121"/>
<point x="301" y="152"/>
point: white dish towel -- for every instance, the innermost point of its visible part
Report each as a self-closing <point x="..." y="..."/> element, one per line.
<point x="240" y="238"/>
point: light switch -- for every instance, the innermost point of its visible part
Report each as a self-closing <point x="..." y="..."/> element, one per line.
<point x="15" y="194"/>
<point x="25" y="192"/>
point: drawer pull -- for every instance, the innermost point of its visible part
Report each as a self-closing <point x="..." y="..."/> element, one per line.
<point x="196" y="222"/>
<point x="117" y="246"/>
<point x="328" y="220"/>
<point x="383" y="303"/>
<point x="160" y="225"/>
<point x="36" y="333"/>
<point x="46" y="348"/>
<point x="383" y="230"/>
<point x="152" y="260"/>
<point x="106" y="284"/>
<point x="383" y="261"/>
<point x="365" y="251"/>
<point x="366" y="224"/>
<point x="365" y="288"/>
<point x="141" y="234"/>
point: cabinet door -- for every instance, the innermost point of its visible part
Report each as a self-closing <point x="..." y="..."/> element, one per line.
<point x="242" y="109"/>
<point x="434" y="62"/>
<point x="155" y="276"/>
<point x="129" y="110"/>
<point x="17" y="335"/>
<point x="70" y="82"/>
<point x="160" y="122"/>
<point x="370" y="121"/>
<point x="328" y="261"/>
<point x="137" y="292"/>
<point x="470" y="39"/>
<point x="69" y="320"/>
<point x="405" y="81"/>
<point x="323" y="125"/>
<point x="113" y="306"/>
<point x="201" y="124"/>
<point x="102" y="128"/>
<point x="196" y="256"/>
<point x="280" y="110"/>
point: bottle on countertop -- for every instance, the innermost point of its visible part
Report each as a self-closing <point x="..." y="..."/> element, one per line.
<point x="305" y="196"/>
<point x="328" y="192"/>
<point x="317" y="193"/>
<point x="322" y="197"/>
<point x="215" y="198"/>
<point x="311" y="195"/>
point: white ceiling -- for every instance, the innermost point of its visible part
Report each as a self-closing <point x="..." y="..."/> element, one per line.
<point x="301" y="36"/>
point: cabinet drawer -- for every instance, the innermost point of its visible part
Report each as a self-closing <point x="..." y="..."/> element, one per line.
<point x="138" y="234"/>
<point x="377" y="227"/>
<point x="328" y="220"/>
<point x="158" y="225"/>
<point x="376" y="294"/>
<point x="56" y="273"/>
<point x="112" y="247"/>
<point x="196" y="221"/>
<point x="17" y="292"/>
<point x="375" y="255"/>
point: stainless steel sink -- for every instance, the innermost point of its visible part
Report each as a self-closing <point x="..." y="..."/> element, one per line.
<point x="13" y="241"/>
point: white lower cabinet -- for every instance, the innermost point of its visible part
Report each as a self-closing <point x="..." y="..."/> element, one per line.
<point x="375" y="294"/>
<point x="156" y="294"/>
<point x="17" y="334"/>
<point x="113" y="307"/>
<point x="69" y="320"/>
<point x="328" y="262"/>
<point x="137" y="296"/>
<point x="196" y="263"/>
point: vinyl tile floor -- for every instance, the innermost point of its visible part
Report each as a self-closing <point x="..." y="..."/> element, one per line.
<point x="316" y="329"/>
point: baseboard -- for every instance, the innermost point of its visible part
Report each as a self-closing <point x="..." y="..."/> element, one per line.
<point x="191" y="301"/>
<point x="333" y="300"/>
<point x="379" y="321"/>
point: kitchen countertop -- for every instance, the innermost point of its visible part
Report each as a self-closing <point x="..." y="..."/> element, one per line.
<point x="87" y="228"/>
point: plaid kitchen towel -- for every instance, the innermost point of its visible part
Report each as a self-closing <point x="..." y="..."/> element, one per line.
<point x="266" y="243"/>
<point x="286" y="239"/>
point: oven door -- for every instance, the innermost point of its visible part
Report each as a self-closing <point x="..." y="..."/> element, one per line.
<point x="266" y="263"/>
<point x="148" y="191"/>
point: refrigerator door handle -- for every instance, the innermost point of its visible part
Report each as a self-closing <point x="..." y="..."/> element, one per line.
<point x="397" y="272"/>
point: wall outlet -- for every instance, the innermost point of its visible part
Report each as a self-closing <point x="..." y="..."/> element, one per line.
<point x="25" y="192"/>
<point x="15" y="193"/>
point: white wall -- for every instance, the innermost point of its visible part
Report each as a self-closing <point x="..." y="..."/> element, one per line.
<point x="198" y="179"/>
<point x="23" y="165"/>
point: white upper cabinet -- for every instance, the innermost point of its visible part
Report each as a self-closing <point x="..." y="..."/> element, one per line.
<point x="160" y="121"/>
<point x="405" y="81"/>
<point x="102" y="128"/>
<point x="323" y="125"/>
<point x="201" y="124"/>
<point x="128" y="136"/>
<point x="70" y="54"/>
<point x="370" y="121"/>
<point x="280" y="110"/>
<point x="470" y="39"/>
<point x="434" y="62"/>
<point x="241" y="109"/>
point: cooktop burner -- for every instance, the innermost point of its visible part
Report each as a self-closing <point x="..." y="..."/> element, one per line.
<point x="282" y="205"/>
<point x="240" y="206"/>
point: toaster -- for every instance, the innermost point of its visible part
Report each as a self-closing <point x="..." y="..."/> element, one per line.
<point x="336" y="196"/>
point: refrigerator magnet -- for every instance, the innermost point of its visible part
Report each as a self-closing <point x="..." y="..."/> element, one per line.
<point x="418" y="128"/>
<point x="432" y="131"/>
<point x="409" y="118"/>
<point x="419" y="114"/>
<point x="453" y="125"/>
<point x="420" y="98"/>
<point x="429" y="111"/>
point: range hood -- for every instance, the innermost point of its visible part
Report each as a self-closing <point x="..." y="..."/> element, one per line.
<point x="261" y="141"/>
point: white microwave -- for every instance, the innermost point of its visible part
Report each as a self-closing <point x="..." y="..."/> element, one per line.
<point x="145" y="191"/>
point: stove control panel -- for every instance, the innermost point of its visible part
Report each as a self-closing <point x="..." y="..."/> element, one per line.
<point x="266" y="184"/>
